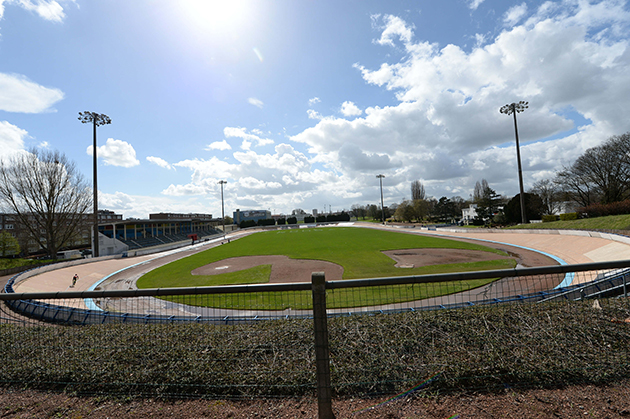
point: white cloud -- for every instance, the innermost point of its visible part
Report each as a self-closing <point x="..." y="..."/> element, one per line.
<point x="218" y="145"/>
<point x="474" y="4"/>
<point x="446" y="128"/>
<point x="44" y="144"/>
<point x="160" y="162"/>
<point x="116" y="153"/>
<point x="313" y="101"/>
<point x="393" y="28"/>
<point x="11" y="139"/>
<point x="350" y="109"/>
<point x="256" y="102"/>
<point x="234" y="132"/>
<point x="47" y="9"/>
<point x="313" y="114"/>
<point x="19" y="94"/>
<point x="515" y="14"/>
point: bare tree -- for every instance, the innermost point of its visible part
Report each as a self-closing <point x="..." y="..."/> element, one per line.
<point x="601" y="174"/>
<point x="417" y="190"/>
<point x="549" y="193"/>
<point x="48" y="195"/>
<point x="479" y="192"/>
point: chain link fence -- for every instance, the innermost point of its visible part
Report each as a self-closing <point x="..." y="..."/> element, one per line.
<point x="449" y="332"/>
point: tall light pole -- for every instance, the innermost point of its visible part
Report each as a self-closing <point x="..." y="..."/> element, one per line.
<point x="513" y="109"/>
<point x="380" y="178"/>
<point x="222" y="182"/>
<point x="97" y="120"/>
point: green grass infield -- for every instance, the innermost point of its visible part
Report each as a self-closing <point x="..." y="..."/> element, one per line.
<point x="357" y="250"/>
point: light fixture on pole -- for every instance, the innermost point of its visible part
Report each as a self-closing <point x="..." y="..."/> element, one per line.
<point x="513" y="109"/>
<point x="97" y="119"/>
<point x="380" y="178"/>
<point x="222" y="182"/>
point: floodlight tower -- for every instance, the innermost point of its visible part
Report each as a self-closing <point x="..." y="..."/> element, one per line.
<point x="380" y="178"/>
<point x="222" y="182"/>
<point x="513" y="109"/>
<point x="97" y="119"/>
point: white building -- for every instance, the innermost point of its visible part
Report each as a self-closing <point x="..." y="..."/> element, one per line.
<point x="469" y="214"/>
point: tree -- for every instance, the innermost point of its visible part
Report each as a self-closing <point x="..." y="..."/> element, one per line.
<point x="417" y="190"/>
<point x="374" y="212"/>
<point x="48" y="195"/>
<point x="549" y="193"/>
<point x="487" y="200"/>
<point x="359" y="211"/>
<point x="601" y="174"/>
<point x="405" y="211"/>
<point x="9" y="245"/>
<point x="445" y="209"/>
<point x="534" y="208"/>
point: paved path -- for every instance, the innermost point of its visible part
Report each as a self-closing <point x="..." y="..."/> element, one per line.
<point x="572" y="249"/>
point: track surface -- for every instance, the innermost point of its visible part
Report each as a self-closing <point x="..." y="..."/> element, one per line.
<point x="122" y="273"/>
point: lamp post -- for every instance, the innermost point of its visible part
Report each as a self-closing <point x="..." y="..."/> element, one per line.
<point x="97" y="120"/>
<point x="380" y="178"/>
<point x="513" y="109"/>
<point x="222" y="182"/>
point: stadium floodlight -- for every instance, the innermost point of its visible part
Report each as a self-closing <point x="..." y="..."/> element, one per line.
<point x="96" y="119"/>
<point x="513" y="109"/>
<point x="222" y="182"/>
<point x="380" y="178"/>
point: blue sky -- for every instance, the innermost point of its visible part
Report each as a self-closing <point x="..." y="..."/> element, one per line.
<point x="300" y="104"/>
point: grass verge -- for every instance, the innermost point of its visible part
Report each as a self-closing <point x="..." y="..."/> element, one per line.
<point x="610" y="222"/>
<point x="482" y="348"/>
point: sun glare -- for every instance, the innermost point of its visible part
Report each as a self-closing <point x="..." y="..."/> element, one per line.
<point x="216" y="16"/>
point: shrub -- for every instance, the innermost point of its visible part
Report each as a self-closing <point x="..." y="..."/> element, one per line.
<point x="267" y="222"/>
<point x="309" y="219"/>
<point x="602" y="210"/>
<point x="550" y="218"/>
<point x="282" y="221"/>
<point x="338" y="217"/>
<point x="247" y="223"/>
<point x="321" y="219"/>
<point x="291" y="220"/>
<point x="569" y="216"/>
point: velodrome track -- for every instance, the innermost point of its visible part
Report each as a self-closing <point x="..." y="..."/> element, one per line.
<point x="567" y="248"/>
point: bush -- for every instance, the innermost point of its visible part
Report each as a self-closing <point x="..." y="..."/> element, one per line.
<point x="550" y="218"/>
<point x="282" y="221"/>
<point x="602" y="210"/>
<point x="321" y="218"/>
<point x="291" y="220"/>
<point x="247" y="223"/>
<point x="309" y="219"/>
<point x="338" y="217"/>
<point x="267" y="222"/>
<point x="569" y="216"/>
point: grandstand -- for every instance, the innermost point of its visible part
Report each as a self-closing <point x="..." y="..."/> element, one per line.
<point x="160" y="229"/>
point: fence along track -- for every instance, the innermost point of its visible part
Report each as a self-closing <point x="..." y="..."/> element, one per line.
<point x="144" y="306"/>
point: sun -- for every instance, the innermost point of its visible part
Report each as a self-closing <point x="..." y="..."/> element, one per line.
<point x="216" y="17"/>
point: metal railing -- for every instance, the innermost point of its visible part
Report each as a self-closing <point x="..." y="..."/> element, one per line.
<point x="174" y="342"/>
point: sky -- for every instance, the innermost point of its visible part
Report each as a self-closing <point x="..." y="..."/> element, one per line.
<point x="301" y="104"/>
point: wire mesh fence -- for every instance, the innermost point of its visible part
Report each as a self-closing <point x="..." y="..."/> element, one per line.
<point x="477" y="330"/>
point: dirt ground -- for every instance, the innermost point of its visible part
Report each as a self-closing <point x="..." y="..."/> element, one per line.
<point x="611" y="401"/>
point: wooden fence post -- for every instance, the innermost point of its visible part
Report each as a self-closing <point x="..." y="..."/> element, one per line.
<point x="320" y="319"/>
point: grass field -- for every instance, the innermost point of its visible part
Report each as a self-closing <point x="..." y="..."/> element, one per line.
<point x="357" y="250"/>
